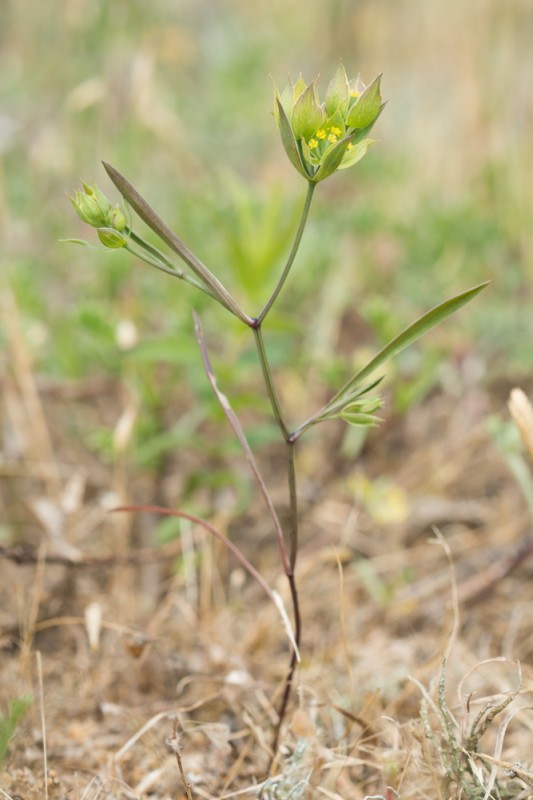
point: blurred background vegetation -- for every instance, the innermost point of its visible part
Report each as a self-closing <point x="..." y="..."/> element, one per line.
<point x="177" y="96"/>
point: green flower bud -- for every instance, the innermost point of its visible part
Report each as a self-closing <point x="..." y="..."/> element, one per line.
<point x="112" y="238"/>
<point x="92" y="206"/>
<point x="361" y="412"/>
<point x="118" y="219"/>
<point x="99" y="196"/>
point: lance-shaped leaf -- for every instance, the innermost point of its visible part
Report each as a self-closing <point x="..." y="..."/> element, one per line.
<point x="407" y="337"/>
<point x="289" y="141"/>
<point x="154" y="221"/>
<point x="241" y="436"/>
<point x="368" y="106"/>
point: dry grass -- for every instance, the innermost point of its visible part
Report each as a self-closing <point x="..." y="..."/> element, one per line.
<point x="142" y="663"/>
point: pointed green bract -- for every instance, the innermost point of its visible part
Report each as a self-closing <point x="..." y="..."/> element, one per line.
<point x="285" y="99"/>
<point x="367" y="107"/>
<point x="336" y="123"/>
<point x="338" y="92"/>
<point x="355" y="153"/>
<point x="331" y="160"/>
<point x="360" y="420"/>
<point x="307" y="116"/>
<point x="298" y="89"/>
<point x="289" y="141"/>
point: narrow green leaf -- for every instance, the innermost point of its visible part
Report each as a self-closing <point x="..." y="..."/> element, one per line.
<point x="75" y="241"/>
<point x="289" y="141"/>
<point x="407" y="337"/>
<point x="154" y="221"/>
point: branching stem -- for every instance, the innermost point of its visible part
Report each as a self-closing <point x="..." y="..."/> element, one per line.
<point x="291" y="465"/>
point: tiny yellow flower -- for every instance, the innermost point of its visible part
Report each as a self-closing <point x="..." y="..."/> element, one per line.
<point x="313" y="144"/>
<point x="354" y="93"/>
<point x="350" y="145"/>
<point x="332" y="138"/>
<point x="321" y="134"/>
<point x="335" y="131"/>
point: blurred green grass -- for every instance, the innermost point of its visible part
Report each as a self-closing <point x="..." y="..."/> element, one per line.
<point x="178" y="97"/>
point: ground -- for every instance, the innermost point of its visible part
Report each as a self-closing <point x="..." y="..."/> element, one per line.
<point x="420" y="551"/>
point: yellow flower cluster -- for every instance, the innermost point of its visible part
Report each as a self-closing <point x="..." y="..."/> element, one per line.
<point x="317" y="136"/>
<point x="321" y="134"/>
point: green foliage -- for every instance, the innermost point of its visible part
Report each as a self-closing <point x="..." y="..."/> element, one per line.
<point x="16" y="709"/>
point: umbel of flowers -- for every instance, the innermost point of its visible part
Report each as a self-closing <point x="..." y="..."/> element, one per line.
<point x="320" y="138"/>
<point x="93" y="207"/>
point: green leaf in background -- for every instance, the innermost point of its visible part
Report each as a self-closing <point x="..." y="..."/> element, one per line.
<point x="8" y="724"/>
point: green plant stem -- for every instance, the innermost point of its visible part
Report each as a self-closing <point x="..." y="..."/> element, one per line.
<point x="291" y="464"/>
<point x="292" y="255"/>
<point x="156" y="224"/>
<point x="151" y="255"/>
<point x="269" y="382"/>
